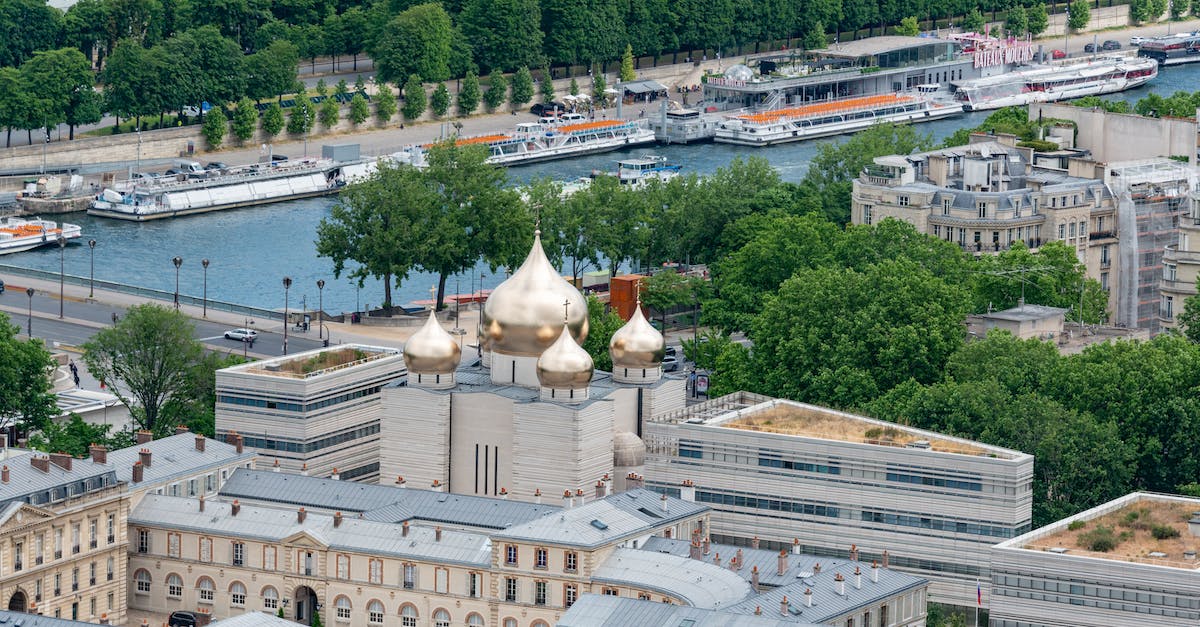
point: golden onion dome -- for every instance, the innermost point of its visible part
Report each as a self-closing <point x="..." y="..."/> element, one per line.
<point x="637" y="344"/>
<point x="431" y="350"/>
<point x="628" y="450"/>
<point x="523" y="314"/>
<point x="565" y="365"/>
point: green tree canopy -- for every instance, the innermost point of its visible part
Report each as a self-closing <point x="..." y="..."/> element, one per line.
<point x="468" y="95"/>
<point x="504" y="34"/>
<point x="602" y="323"/>
<point x="28" y="26"/>
<point x="1039" y="20"/>
<point x="417" y="41"/>
<point x="1078" y="15"/>
<point x="497" y="91"/>
<point x="546" y="85"/>
<point x="385" y="104"/>
<point x="51" y="79"/>
<point x="909" y="27"/>
<point x="627" y="73"/>
<point x="272" y="120"/>
<point x="359" y="110"/>
<point x="415" y="101"/>
<point x="522" y="87"/>
<point x="27" y="400"/>
<point x="215" y="127"/>
<point x="271" y="71"/>
<point x="245" y="119"/>
<point x="439" y="102"/>
<point x="330" y="113"/>
<point x="301" y="117"/>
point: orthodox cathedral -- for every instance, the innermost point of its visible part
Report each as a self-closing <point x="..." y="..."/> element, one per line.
<point x="531" y="418"/>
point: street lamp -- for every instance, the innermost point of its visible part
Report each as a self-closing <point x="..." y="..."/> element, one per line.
<point x="178" y="261"/>
<point x="29" y="324"/>
<point x="204" y="298"/>
<point x="249" y="325"/>
<point x="92" y="275"/>
<point x="287" y="284"/>
<point x="62" y="273"/>
<point x="320" y="307"/>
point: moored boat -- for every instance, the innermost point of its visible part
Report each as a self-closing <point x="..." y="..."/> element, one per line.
<point x="640" y="171"/>
<point x="1104" y="75"/>
<point x="532" y="142"/>
<point x="20" y="234"/>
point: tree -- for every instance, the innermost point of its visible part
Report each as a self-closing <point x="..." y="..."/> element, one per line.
<point x="1189" y="318"/>
<point x="28" y="26"/>
<point x="569" y="226"/>
<point x="973" y="22"/>
<point x="301" y="117"/>
<point x="85" y="106"/>
<point x="330" y="112"/>
<point x="342" y="88"/>
<point x="909" y="27"/>
<point x="468" y="95"/>
<point x="272" y="70"/>
<point x="204" y="66"/>
<point x="1052" y="277"/>
<point x="599" y="86"/>
<point x="73" y="437"/>
<point x="627" y="72"/>
<point x="385" y="104"/>
<point x="245" y="118"/>
<point x="272" y="120"/>
<point x="131" y="81"/>
<point x="1039" y="20"/>
<point x="417" y="41"/>
<point x="504" y="34"/>
<point x="50" y="80"/>
<point x="414" y="98"/>
<point x="322" y="89"/>
<point x="359" y="110"/>
<point x="573" y="89"/>
<point x="602" y="324"/>
<point x="1078" y="15"/>
<point x="27" y="399"/>
<point x="215" y="127"/>
<point x="522" y="87"/>
<point x="13" y="112"/>
<point x="147" y="359"/>
<point x="439" y="102"/>
<point x="1017" y="22"/>
<point x="497" y="91"/>
<point x="664" y="291"/>
<point x="546" y="84"/>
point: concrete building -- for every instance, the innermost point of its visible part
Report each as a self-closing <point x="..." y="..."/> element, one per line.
<point x="1181" y="266"/>
<point x="821" y="480"/>
<point x="1114" y="137"/>
<point x="316" y="411"/>
<point x="1127" y="563"/>
<point x="1050" y="324"/>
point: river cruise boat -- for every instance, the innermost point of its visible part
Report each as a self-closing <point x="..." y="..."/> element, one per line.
<point x="638" y="172"/>
<point x="256" y="184"/>
<point x="1172" y="49"/>
<point x="1105" y="75"/>
<point x="833" y="117"/>
<point x="532" y="142"/>
<point x="20" y="234"/>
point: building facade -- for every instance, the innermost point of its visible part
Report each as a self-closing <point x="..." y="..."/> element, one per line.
<point x="794" y="474"/>
<point x="1181" y="266"/>
<point x="316" y="411"/>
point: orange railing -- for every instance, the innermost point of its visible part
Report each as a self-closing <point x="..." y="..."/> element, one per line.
<point x="823" y="108"/>
<point x="482" y="139"/>
<point x="589" y="126"/>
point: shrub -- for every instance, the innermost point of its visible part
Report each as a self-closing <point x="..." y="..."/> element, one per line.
<point x="1101" y="539"/>
<point x="1076" y="525"/>
<point x="1164" y="532"/>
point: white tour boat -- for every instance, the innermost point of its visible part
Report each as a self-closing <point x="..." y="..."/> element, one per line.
<point x="536" y="141"/>
<point x="20" y="234"/>
<point x="1104" y="75"/>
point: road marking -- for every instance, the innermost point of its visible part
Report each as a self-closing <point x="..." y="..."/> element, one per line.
<point x="209" y="339"/>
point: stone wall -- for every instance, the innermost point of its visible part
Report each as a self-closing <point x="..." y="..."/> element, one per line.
<point x="1124" y="136"/>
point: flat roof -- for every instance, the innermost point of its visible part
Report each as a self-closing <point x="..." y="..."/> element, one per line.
<point x="317" y="362"/>
<point x="1025" y="313"/>
<point x="1130" y="522"/>
<point x="878" y="45"/>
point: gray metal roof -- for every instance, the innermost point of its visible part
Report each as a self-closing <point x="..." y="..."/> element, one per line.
<point x="379" y="503"/>
<point x="275" y="525"/>
<point x="603" y="521"/>
<point x="253" y="619"/>
<point x="174" y="456"/>
<point x="475" y="378"/>
<point x="29" y="484"/>
<point x="21" y="619"/>
<point x="699" y="584"/>
<point x="1025" y="313"/>
<point x="593" y="610"/>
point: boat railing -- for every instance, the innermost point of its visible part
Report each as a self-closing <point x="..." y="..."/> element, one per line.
<point x="826" y="108"/>
<point x="145" y="292"/>
<point x="267" y="172"/>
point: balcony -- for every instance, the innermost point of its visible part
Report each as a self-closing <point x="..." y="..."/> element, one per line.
<point x="1105" y="263"/>
<point x="58" y="554"/>
<point x="18" y="565"/>
<point x="1102" y="235"/>
<point x="75" y="549"/>
<point x="38" y="560"/>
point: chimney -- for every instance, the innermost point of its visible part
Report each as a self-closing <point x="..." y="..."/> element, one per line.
<point x="568" y="500"/>
<point x="783" y="605"/>
<point x="808" y="597"/>
<point x="180" y="429"/>
<point x="201" y="502"/>
<point x="579" y="496"/>
<point x="740" y="559"/>
<point x="104" y="619"/>
<point x="144" y="436"/>
<point x="99" y="453"/>
<point x="4" y="474"/>
<point x="687" y="491"/>
<point x="436" y="486"/>
<point x="694" y="550"/>
<point x="137" y="472"/>
<point x="754" y="543"/>
<point x="733" y="563"/>
<point x="839" y="583"/>
<point x="504" y="493"/>
<point x="230" y="437"/>
<point x="885" y="559"/>
<point x="537" y="496"/>
<point x="200" y="441"/>
<point x="235" y="507"/>
<point x="874" y="572"/>
<point x="400" y="482"/>
<point x="301" y="514"/>
<point x="144" y="457"/>
<point x="817" y="568"/>
<point x="337" y="519"/>
<point x="717" y="559"/>
<point x="437" y="533"/>
<point x="240" y="443"/>
<point x="404" y="529"/>
<point x="335" y="476"/>
<point x="304" y="469"/>
<point x="857" y="578"/>
<point x="707" y="545"/>
<point x="754" y="579"/>
<point x="758" y="610"/>
<point x="663" y="502"/>
<point x="62" y="460"/>
<point x="853" y="552"/>
<point x="39" y="462"/>
<point x="275" y="465"/>
<point x="782" y="563"/>
<point x="795" y="546"/>
<point x="600" y="489"/>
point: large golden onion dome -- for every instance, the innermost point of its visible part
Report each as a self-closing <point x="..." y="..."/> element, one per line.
<point x="637" y="344"/>
<point x="628" y="450"/>
<point x="523" y="314"/>
<point x="565" y="365"/>
<point x="431" y="350"/>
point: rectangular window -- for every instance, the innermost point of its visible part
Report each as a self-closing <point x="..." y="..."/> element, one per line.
<point x="268" y="558"/>
<point x="92" y="574"/>
<point x="173" y="541"/>
<point x="76" y="537"/>
<point x="307" y="563"/>
<point x="410" y="576"/>
<point x="174" y="587"/>
<point x="867" y="213"/>
<point x="902" y="201"/>
<point x="39" y="543"/>
<point x="473" y="580"/>
<point x="143" y="545"/>
<point x="1168" y="307"/>
<point x="945" y="206"/>
<point x="982" y="209"/>
<point x="93" y="539"/>
<point x="112" y="528"/>
<point x="570" y="594"/>
<point x="58" y="543"/>
<point x="210" y="482"/>
<point x="375" y="568"/>
<point x="239" y="554"/>
<point x="510" y="589"/>
<point x="510" y="554"/>
<point x="611" y="592"/>
<point x="571" y="561"/>
<point x="1072" y="229"/>
<point x="540" y="558"/>
<point x="111" y="569"/>
<point x="539" y="593"/>
<point x="343" y="566"/>
<point x="205" y="549"/>
<point x="441" y="580"/>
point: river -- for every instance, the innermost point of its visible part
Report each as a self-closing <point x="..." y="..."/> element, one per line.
<point x="251" y="250"/>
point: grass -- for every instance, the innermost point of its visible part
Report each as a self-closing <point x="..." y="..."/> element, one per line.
<point x="1131" y="533"/>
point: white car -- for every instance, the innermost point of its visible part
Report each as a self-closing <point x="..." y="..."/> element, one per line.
<point x="670" y="363"/>
<point x="242" y="335"/>
<point x="1137" y="41"/>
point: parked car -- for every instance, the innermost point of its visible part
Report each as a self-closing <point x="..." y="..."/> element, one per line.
<point x="243" y="335"/>
<point x="1137" y="41"/>
<point x="182" y="619"/>
<point x="1" y="287"/>
<point x="1058" y="54"/>
<point x="670" y="363"/>
<point x="215" y="166"/>
<point x="1089" y="48"/>
<point x="173" y="172"/>
<point x="141" y="176"/>
<point x="571" y="118"/>
<point x="670" y="350"/>
<point x="278" y="158"/>
<point x="547" y="108"/>
<point x="1110" y="44"/>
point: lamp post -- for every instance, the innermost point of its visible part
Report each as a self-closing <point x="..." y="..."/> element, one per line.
<point x="62" y="273"/>
<point x="178" y="261"/>
<point x="204" y="298"/>
<point x="92" y="274"/>
<point x="139" y="148"/>
<point x="29" y="324"/>
<point x="287" y="285"/>
<point x="320" y="308"/>
<point x="249" y="325"/>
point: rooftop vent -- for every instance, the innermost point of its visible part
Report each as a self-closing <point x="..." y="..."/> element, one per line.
<point x="1058" y="549"/>
<point x="599" y="524"/>
<point x="1158" y="554"/>
<point x="271" y="367"/>
<point x="924" y="444"/>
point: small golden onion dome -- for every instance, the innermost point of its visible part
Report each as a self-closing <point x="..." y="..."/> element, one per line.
<point x="637" y="344"/>
<point x="523" y="314"/>
<point x="628" y="450"/>
<point x="565" y="365"/>
<point x="431" y="350"/>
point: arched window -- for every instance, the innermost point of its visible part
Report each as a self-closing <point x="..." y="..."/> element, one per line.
<point x="174" y="586"/>
<point x="270" y="598"/>
<point x="539" y="623"/>
<point x="142" y="577"/>
<point x="343" y="606"/>
<point x="510" y="622"/>
<point x="441" y="618"/>
<point x="408" y="616"/>
<point x="206" y="589"/>
<point x="474" y="620"/>
<point x="237" y="594"/>
<point x="375" y="612"/>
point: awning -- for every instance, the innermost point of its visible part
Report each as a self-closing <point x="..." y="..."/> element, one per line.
<point x="643" y="87"/>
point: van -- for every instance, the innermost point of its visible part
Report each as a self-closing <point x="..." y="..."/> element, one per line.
<point x="548" y="120"/>
<point x="571" y="118"/>
<point x="192" y="169"/>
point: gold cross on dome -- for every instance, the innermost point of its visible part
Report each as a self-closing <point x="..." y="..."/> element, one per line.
<point x="566" y="307"/>
<point x="433" y="296"/>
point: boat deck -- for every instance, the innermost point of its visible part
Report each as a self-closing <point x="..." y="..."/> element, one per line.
<point x="826" y="108"/>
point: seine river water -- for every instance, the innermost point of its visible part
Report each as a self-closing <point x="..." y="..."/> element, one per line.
<point x="251" y="250"/>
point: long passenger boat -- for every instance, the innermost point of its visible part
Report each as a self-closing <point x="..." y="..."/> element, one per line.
<point x="1172" y="49"/>
<point x="1104" y="75"/>
<point x="535" y="141"/>
<point x="20" y="234"/>
<point x="832" y="117"/>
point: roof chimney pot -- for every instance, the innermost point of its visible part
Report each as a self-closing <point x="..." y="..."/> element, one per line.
<point x="754" y="579"/>
<point x="200" y="442"/>
<point x="783" y="562"/>
<point x="99" y="453"/>
<point x="4" y="474"/>
<point x="754" y="543"/>
<point x="337" y="519"/>
<point x="144" y="436"/>
<point x="808" y="597"/>
<point x="404" y="529"/>
<point x="663" y="502"/>
<point x="335" y="476"/>
<point x="857" y="578"/>
<point x="137" y="472"/>
<point x="874" y="572"/>
<point x="144" y="457"/>
<point x="235" y="507"/>
<point x="275" y="465"/>
<point x="39" y="462"/>
<point x="885" y="559"/>
<point x="201" y="502"/>
<point x="783" y="605"/>
<point x="239" y="443"/>
<point x="400" y="482"/>
<point x="437" y="534"/>
<point x="301" y="514"/>
<point x="62" y="460"/>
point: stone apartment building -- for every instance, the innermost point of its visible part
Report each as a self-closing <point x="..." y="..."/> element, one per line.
<point x="1181" y="266"/>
